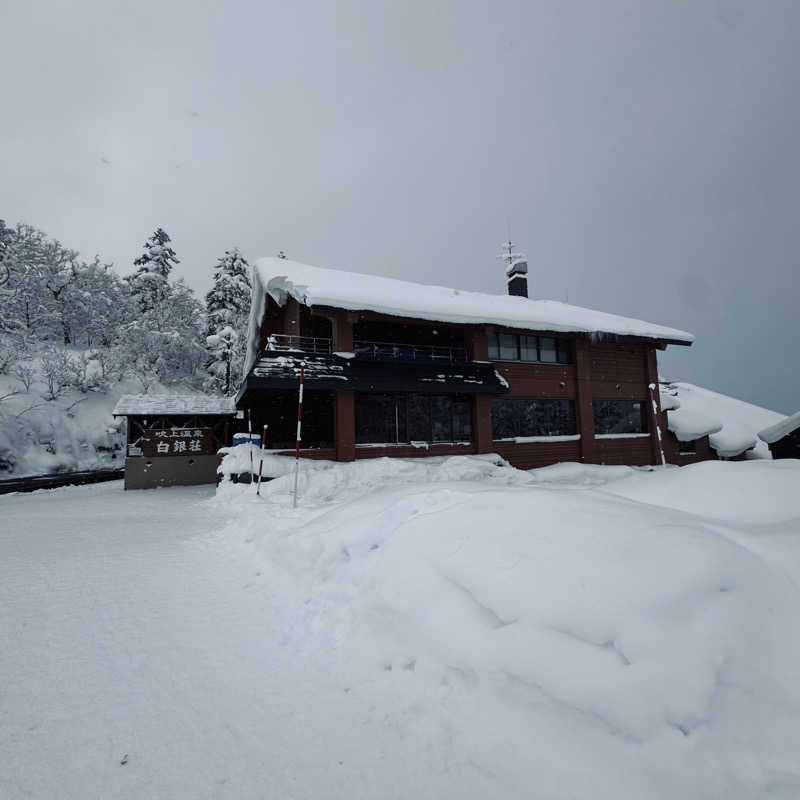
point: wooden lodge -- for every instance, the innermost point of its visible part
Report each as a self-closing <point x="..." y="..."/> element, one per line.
<point x="394" y="368"/>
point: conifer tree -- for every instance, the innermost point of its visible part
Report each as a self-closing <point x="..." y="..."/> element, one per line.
<point x="227" y="311"/>
<point x="150" y="283"/>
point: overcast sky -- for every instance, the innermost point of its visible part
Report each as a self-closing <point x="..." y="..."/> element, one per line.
<point x="646" y="154"/>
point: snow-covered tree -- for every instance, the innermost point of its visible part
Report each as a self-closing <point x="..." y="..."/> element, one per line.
<point x="149" y="285"/>
<point x="227" y="312"/>
<point x="222" y="347"/>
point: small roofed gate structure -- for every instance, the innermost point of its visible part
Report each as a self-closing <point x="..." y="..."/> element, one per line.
<point x="173" y="440"/>
<point x="783" y="438"/>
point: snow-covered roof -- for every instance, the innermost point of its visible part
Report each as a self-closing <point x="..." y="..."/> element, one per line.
<point x="731" y="425"/>
<point x="150" y="404"/>
<point x="780" y="429"/>
<point x="316" y="286"/>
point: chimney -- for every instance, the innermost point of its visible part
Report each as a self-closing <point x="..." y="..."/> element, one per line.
<point x="518" y="278"/>
<point x="516" y="270"/>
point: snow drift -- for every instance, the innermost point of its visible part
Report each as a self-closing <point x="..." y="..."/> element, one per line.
<point x="732" y="425"/>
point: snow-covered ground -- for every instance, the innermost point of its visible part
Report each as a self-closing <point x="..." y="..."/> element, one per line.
<point x="439" y="628"/>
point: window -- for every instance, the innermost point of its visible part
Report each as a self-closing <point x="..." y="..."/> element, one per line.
<point x="401" y="418"/>
<point x="529" y="348"/>
<point x="512" y="418"/>
<point x="687" y="448"/>
<point x="619" y="416"/>
<point x="525" y="347"/>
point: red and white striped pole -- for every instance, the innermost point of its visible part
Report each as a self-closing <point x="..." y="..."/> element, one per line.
<point x="653" y="389"/>
<point x="261" y="462"/>
<point x="250" y="439"/>
<point x="299" y="423"/>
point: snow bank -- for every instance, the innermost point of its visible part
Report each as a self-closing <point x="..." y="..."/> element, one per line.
<point x="780" y="429"/>
<point x="437" y="628"/>
<point x="493" y="609"/>
<point x="732" y="425"/>
<point x="282" y="278"/>
<point x="739" y="493"/>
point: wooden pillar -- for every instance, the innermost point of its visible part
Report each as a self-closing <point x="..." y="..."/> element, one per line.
<point x="482" y="423"/>
<point x="583" y="400"/>
<point x="655" y="418"/>
<point x="343" y="331"/>
<point x="477" y="341"/>
<point x="344" y="424"/>
<point x="478" y="344"/>
<point x="291" y="317"/>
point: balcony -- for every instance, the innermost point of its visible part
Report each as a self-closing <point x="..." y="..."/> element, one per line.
<point x="394" y="351"/>
<point x="369" y="350"/>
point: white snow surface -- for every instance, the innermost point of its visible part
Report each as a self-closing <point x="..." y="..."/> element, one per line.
<point x="200" y="404"/>
<point x="733" y="424"/>
<point x="318" y="286"/>
<point x="773" y="433"/>
<point x="431" y="628"/>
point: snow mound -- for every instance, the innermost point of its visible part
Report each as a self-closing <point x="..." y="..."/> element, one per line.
<point x="732" y="425"/>
<point x="780" y="429"/>
<point x="739" y="493"/>
<point x="653" y="645"/>
<point x="688" y="425"/>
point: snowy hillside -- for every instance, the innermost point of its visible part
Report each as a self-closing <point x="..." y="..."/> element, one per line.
<point x="73" y="431"/>
<point x="439" y="628"/>
<point x="732" y="425"/>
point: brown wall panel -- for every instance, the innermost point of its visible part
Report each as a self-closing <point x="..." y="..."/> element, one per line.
<point x="537" y="380"/>
<point x="529" y="455"/>
<point x="407" y="451"/>
<point x="633" y="452"/>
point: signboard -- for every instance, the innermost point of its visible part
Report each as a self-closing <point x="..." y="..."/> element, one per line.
<point x="177" y="442"/>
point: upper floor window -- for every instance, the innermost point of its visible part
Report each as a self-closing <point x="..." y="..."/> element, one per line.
<point x="527" y="347"/>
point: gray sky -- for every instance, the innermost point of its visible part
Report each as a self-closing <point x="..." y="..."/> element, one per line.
<point x="646" y="153"/>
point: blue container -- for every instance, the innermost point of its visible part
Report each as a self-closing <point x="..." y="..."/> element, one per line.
<point x="242" y="438"/>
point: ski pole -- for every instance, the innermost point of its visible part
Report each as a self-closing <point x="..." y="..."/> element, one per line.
<point x="250" y="439"/>
<point x="297" y="441"/>
<point x="261" y="462"/>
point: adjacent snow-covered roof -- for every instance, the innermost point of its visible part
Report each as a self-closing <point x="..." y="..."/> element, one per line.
<point x="316" y="286"/>
<point x="196" y="404"/>
<point x="731" y="425"/>
<point x="780" y="429"/>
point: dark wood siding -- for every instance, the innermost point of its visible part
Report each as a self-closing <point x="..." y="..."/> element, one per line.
<point x="704" y="451"/>
<point x="407" y="451"/>
<point x="787" y="447"/>
<point x="529" y="455"/>
<point x="633" y="452"/>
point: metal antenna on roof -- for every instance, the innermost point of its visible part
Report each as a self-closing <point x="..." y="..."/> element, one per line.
<point x="508" y="255"/>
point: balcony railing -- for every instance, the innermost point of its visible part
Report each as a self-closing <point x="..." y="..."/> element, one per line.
<point x="305" y="344"/>
<point x="376" y="351"/>
<point x="393" y="351"/>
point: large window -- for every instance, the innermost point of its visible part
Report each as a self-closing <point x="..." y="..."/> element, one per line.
<point x="619" y="416"/>
<point x="524" y="347"/>
<point x="512" y="418"/>
<point x="403" y="418"/>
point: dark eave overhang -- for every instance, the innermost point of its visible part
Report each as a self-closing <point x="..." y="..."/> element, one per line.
<point x="328" y="372"/>
<point x="597" y="336"/>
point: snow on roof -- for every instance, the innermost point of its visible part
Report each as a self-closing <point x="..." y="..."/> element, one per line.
<point x="731" y="425"/>
<point x="148" y="404"/>
<point x="316" y="286"/>
<point x="780" y="429"/>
